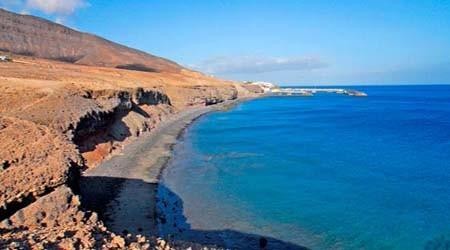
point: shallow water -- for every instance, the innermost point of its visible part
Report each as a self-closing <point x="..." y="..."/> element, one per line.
<point x="328" y="171"/>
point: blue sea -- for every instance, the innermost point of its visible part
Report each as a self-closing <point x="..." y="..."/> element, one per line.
<point x="323" y="172"/>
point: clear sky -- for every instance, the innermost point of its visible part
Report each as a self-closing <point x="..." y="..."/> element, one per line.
<point x="290" y="42"/>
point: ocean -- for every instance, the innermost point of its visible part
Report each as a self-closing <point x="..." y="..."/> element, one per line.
<point x="323" y="172"/>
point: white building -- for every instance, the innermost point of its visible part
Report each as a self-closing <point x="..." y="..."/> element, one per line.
<point x="4" y="58"/>
<point x="266" y="86"/>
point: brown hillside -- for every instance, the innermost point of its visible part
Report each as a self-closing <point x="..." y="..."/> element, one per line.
<point x="58" y="118"/>
<point x="34" y="36"/>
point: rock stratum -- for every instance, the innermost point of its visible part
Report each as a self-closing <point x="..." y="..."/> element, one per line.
<point x="60" y="117"/>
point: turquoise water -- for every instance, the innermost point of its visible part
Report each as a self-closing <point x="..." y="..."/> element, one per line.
<point x="328" y="171"/>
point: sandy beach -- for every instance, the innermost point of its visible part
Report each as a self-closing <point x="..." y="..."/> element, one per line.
<point x="123" y="189"/>
<point x="161" y="125"/>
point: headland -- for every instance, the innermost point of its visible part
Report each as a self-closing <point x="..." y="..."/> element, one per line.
<point x="61" y="118"/>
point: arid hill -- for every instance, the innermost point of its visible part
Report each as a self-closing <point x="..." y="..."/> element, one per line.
<point x="34" y="36"/>
<point x="58" y="118"/>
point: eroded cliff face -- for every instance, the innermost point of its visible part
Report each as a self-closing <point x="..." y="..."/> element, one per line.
<point x="42" y="156"/>
<point x="42" y="160"/>
<point x="59" y="117"/>
<point x="56" y="120"/>
<point x="129" y="113"/>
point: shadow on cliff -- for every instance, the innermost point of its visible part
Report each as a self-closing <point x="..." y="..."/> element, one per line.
<point x="98" y="193"/>
<point x="105" y="127"/>
<point x="100" y="127"/>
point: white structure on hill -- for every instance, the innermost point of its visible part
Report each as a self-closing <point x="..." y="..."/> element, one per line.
<point x="266" y="86"/>
<point x="4" y="58"/>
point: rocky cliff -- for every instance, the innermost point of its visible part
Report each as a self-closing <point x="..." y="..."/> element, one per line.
<point x="58" y="118"/>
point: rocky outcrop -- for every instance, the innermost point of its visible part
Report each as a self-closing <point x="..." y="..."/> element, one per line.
<point x="39" y="160"/>
<point x="42" y="157"/>
<point x="149" y="97"/>
<point x="56" y="221"/>
<point x="101" y="132"/>
<point x="58" y="118"/>
<point x="33" y="36"/>
<point x="58" y="131"/>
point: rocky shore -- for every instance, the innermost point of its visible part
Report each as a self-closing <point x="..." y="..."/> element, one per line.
<point x="59" y="121"/>
<point x="77" y="113"/>
<point x="135" y="175"/>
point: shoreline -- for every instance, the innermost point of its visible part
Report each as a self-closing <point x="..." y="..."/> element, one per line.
<point x="128" y="182"/>
<point x="175" y="226"/>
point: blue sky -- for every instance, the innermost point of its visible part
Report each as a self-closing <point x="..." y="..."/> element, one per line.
<point x="290" y="42"/>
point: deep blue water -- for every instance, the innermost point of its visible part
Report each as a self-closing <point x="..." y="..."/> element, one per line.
<point x="328" y="171"/>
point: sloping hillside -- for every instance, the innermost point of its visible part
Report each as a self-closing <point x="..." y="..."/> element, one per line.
<point x="59" y="117"/>
<point x="34" y="36"/>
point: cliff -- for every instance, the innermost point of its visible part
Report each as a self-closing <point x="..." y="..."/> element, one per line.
<point x="58" y="118"/>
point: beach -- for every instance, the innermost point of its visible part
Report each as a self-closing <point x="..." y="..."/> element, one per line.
<point x="127" y="183"/>
<point x="60" y="121"/>
<point x="165" y="125"/>
<point x="322" y="172"/>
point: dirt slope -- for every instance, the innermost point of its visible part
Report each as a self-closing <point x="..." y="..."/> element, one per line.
<point x="29" y="35"/>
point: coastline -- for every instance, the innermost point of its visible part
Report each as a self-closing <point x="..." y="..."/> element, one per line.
<point x="59" y="118"/>
<point x="128" y="182"/>
<point x="174" y="221"/>
<point x="55" y="129"/>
